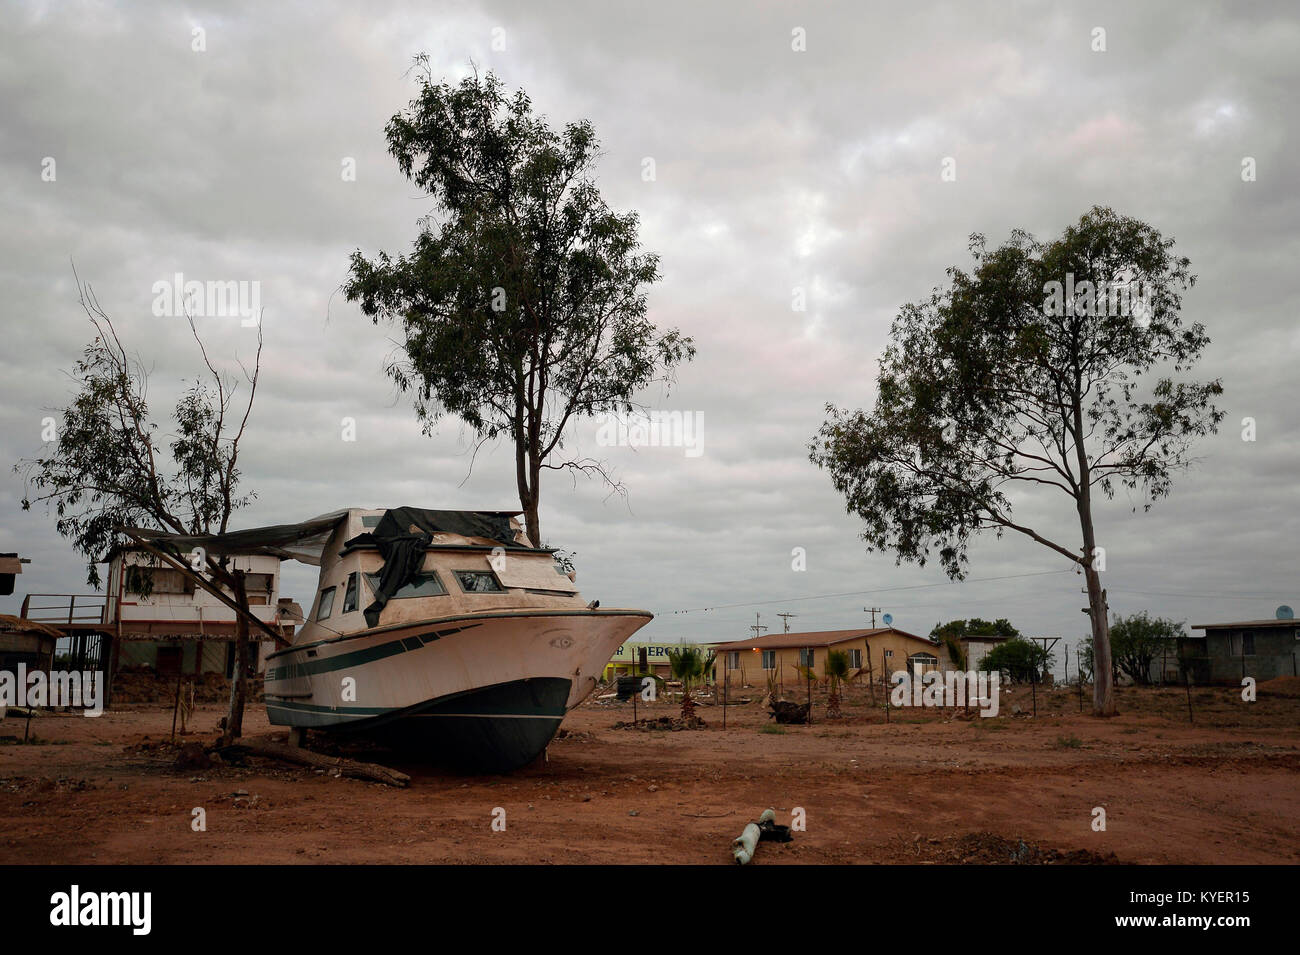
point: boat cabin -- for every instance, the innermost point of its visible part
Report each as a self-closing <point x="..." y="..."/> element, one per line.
<point x="468" y="562"/>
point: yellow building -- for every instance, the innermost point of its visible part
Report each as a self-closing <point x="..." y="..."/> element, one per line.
<point x="873" y="654"/>
<point x="641" y="658"/>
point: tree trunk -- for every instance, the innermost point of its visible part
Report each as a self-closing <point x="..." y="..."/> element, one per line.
<point x="534" y="493"/>
<point x="1103" y="686"/>
<point x="305" y="757"/>
<point x="239" y="679"/>
<point x="531" y="522"/>
<point x="527" y="480"/>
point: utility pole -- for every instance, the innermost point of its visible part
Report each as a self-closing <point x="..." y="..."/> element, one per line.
<point x="873" y="611"/>
<point x="785" y="618"/>
<point x="757" y="628"/>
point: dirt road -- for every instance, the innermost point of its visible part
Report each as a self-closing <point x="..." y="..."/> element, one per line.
<point x="924" y="787"/>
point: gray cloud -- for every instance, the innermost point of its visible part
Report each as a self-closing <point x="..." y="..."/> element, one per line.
<point x="774" y="170"/>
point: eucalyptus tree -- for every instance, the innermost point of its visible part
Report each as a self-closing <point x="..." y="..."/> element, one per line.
<point x="110" y="467"/>
<point x="1059" y="368"/>
<point x="522" y="304"/>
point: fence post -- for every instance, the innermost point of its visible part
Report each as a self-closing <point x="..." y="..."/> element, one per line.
<point x="884" y="676"/>
<point x="809" y="689"/>
<point x="726" y="683"/>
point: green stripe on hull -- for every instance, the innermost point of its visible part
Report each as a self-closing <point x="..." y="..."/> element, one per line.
<point x="343" y="661"/>
<point x="495" y="728"/>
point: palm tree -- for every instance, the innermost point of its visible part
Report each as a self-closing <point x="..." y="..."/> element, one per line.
<point x="689" y="663"/>
<point x="837" y="670"/>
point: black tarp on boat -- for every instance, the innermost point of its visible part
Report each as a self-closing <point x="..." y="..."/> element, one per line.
<point x="404" y="533"/>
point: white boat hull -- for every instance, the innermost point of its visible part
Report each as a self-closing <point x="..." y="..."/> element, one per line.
<point x="485" y="689"/>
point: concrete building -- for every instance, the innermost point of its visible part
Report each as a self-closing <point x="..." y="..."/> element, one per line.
<point x="175" y="629"/>
<point x="1226" y="652"/>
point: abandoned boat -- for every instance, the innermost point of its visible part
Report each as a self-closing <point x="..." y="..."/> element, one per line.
<point x="442" y="631"/>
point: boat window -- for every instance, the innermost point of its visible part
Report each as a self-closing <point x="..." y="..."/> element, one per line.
<point x="350" y="597"/>
<point x="478" y="582"/>
<point x="425" y="584"/>
<point x="326" y="603"/>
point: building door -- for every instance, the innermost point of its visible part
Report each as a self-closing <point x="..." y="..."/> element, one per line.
<point x="921" y="663"/>
<point x="169" y="661"/>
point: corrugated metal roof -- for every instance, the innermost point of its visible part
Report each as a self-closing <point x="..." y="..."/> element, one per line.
<point x="814" y="638"/>
<point x="1271" y="622"/>
<point x="12" y="624"/>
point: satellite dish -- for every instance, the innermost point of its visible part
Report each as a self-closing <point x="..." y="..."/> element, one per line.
<point x="1285" y="613"/>
<point x="889" y="619"/>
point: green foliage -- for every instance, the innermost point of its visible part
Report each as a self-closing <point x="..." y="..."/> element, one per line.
<point x="975" y="627"/>
<point x="691" y="665"/>
<point x="837" y="666"/>
<point x="983" y="388"/>
<point x="109" y="467"/>
<point x="1137" y="641"/>
<point x="1020" y="659"/>
<point x="956" y="652"/>
<point x="1086" y="659"/>
<point x="837" y="671"/>
<point x="522" y="306"/>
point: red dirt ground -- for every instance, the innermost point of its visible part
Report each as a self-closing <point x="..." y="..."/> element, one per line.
<point x="922" y="788"/>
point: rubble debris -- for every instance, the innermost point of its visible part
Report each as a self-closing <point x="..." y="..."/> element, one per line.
<point x="191" y="756"/>
<point x="786" y="712"/>
<point x="666" y="723"/>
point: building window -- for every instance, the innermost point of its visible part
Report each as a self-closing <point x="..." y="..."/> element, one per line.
<point x="421" y="585"/>
<point x="733" y="659"/>
<point x="807" y="657"/>
<point x="769" y="659"/>
<point x="1248" y="643"/>
<point x="326" y="603"/>
<point x="855" y="659"/>
<point x="478" y="582"/>
<point x="350" y="598"/>
<point x="164" y="581"/>
<point x="259" y="583"/>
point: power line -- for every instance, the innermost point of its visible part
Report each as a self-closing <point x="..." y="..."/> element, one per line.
<point x="859" y="593"/>
<point x="1273" y="595"/>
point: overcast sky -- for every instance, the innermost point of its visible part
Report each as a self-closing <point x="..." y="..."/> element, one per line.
<point x="775" y="169"/>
